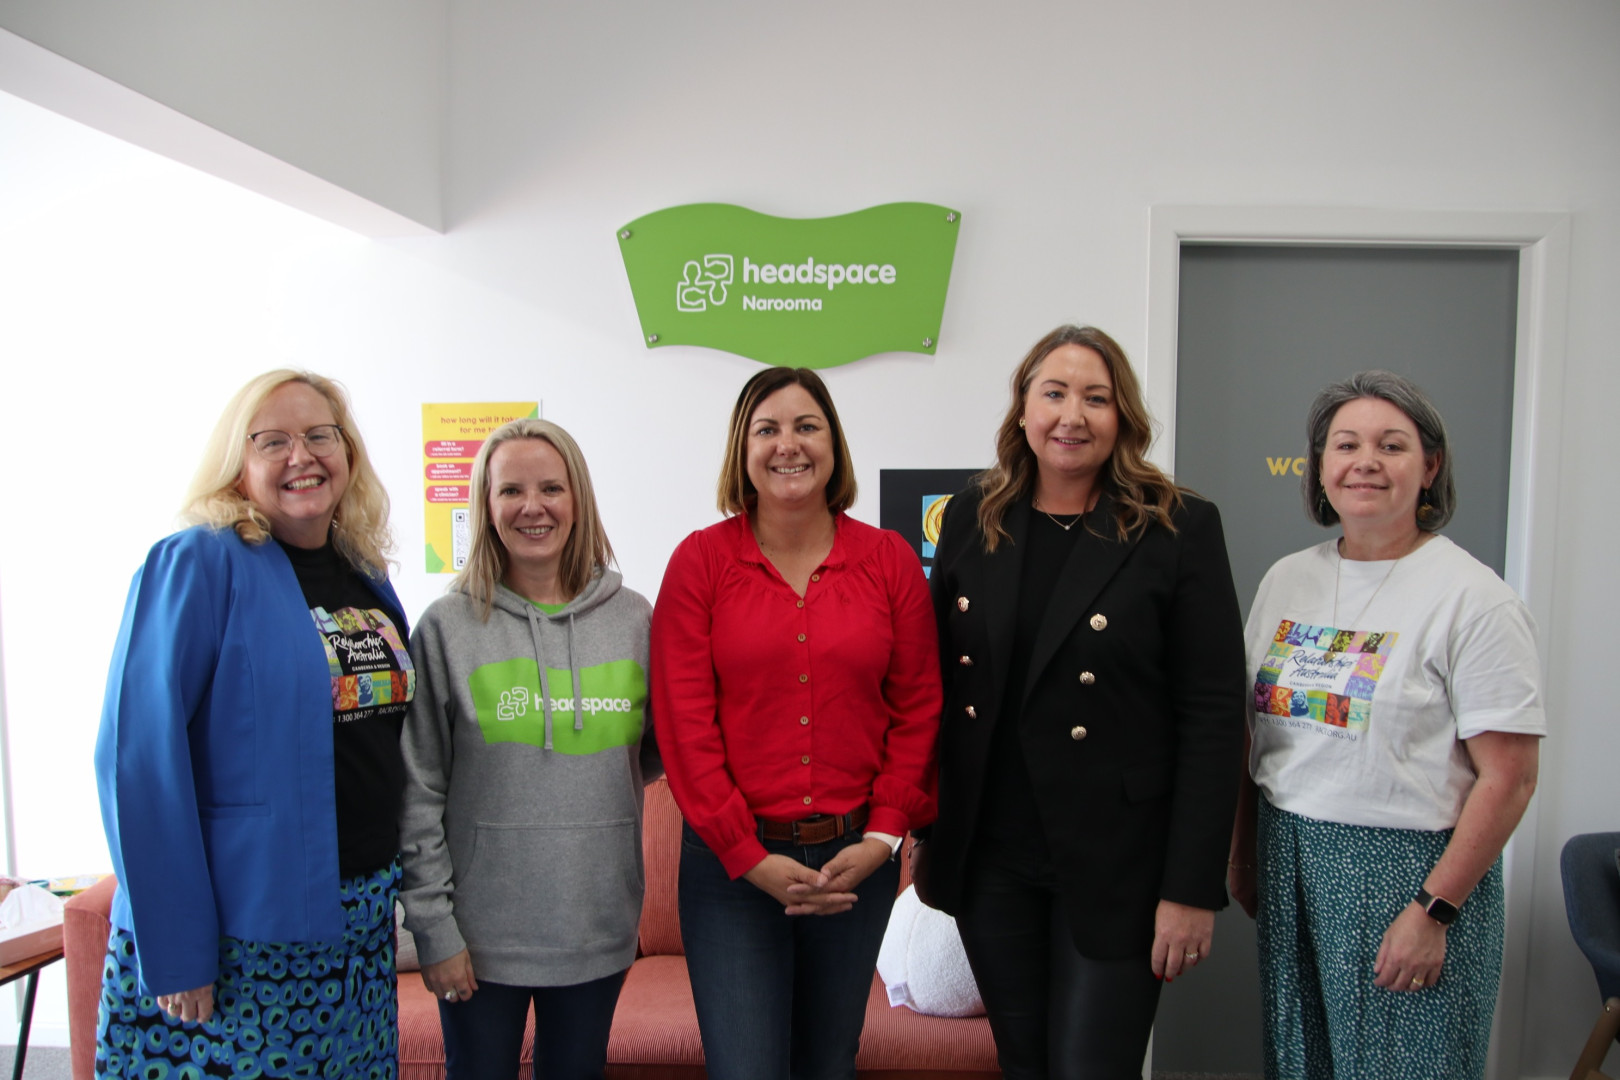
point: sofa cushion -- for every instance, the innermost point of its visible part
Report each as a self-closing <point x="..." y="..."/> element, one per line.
<point x="661" y="848"/>
<point x="656" y="1021"/>
<point x="655" y="1033"/>
<point x="899" y="1043"/>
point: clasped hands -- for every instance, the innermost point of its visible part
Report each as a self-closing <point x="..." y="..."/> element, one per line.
<point x="828" y="891"/>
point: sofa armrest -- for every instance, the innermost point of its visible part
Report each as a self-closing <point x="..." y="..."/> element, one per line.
<point x="86" y="923"/>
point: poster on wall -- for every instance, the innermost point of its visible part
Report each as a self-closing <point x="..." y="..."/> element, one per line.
<point x="451" y="436"/>
<point x="912" y="503"/>
<point x="804" y="292"/>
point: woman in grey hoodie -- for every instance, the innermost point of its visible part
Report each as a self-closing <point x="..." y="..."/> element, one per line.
<point x="526" y="749"/>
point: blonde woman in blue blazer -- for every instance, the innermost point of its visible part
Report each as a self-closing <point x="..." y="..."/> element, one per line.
<point x="249" y="761"/>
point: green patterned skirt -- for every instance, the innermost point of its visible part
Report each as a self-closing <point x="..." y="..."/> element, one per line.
<point x="1327" y="894"/>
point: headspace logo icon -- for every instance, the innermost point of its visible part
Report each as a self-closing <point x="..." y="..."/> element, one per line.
<point x="513" y="703"/>
<point x="703" y="284"/>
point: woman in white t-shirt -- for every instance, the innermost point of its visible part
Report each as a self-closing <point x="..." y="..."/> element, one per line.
<point x="1395" y="725"/>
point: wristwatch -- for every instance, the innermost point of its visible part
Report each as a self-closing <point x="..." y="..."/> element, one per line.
<point x="1439" y="909"/>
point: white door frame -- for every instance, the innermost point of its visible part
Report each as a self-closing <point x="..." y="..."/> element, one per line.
<point x="1543" y="242"/>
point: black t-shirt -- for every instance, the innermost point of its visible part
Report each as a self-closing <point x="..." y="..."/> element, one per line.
<point x="372" y="686"/>
<point x="1008" y="813"/>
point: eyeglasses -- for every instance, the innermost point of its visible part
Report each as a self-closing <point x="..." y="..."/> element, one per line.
<point x="322" y="440"/>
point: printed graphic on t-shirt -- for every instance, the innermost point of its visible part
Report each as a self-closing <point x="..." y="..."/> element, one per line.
<point x="371" y="669"/>
<point x="510" y="707"/>
<point x="1321" y="678"/>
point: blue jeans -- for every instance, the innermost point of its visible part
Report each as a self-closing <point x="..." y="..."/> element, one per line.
<point x="779" y="996"/>
<point x="483" y="1036"/>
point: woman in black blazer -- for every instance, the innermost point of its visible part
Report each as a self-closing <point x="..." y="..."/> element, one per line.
<point x="1093" y="728"/>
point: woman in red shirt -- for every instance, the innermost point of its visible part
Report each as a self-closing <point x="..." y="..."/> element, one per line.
<point x="796" y="685"/>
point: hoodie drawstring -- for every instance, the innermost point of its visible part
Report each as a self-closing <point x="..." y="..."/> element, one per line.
<point x="574" y="680"/>
<point x="540" y="661"/>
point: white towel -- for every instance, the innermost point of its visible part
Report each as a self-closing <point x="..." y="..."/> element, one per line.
<point x="922" y="962"/>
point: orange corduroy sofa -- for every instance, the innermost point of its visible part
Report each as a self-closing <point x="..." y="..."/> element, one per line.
<point x="655" y="1032"/>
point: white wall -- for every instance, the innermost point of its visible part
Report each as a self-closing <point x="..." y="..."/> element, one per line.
<point x="352" y="92"/>
<point x="134" y="295"/>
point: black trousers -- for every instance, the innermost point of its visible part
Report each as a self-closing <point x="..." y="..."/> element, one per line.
<point x="1055" y="1014"/>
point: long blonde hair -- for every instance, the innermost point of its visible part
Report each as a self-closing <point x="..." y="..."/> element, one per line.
<point x="360" y="531"/>
<point x="1140" y="489"/>
<point x="587" y="546"/>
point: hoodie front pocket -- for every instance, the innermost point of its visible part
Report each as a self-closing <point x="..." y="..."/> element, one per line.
<point x="544" y="888"/>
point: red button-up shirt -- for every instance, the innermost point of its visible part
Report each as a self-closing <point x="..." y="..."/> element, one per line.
<point x="781" y="707"/>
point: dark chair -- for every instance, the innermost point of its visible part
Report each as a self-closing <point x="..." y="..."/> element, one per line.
<point x="1591" y="867"/>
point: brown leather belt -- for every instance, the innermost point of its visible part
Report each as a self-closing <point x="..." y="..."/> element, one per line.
<point x="815" y="830"/>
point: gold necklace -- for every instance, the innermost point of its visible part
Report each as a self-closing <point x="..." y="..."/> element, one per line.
<point x="1037" y="504"/>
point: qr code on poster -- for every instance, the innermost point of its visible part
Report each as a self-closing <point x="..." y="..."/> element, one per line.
<point x="460" y="537"/>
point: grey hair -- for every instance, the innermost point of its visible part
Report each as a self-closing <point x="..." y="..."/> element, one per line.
<point x="1439" y="502"/>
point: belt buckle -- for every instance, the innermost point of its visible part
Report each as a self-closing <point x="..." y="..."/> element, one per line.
<point x="796" y="832"/>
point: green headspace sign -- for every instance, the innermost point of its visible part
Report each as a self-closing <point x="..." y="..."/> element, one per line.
<point x="805" y="292"/>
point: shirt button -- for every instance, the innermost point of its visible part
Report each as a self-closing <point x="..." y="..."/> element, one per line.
<point x="804" y="678"/>
<point x="804" y="719"/>
<point x="1087" y="678"/>
<point x="1099" y="622"/>
<point x="801" y="637"/>
<point x="1077" y="733"/>
<point x="973" y="714"/>
<point x="814" y="577"/>
<point x="807" y="800"/>
<point x="801" y="603"/>
<point x="805" y="760"/>
<point x="966" y="661"/>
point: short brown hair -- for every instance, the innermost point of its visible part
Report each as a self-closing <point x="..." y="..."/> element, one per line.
<point x="737" y="494"/>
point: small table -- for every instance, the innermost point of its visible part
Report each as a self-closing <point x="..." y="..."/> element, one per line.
<point x="11" y="973"/>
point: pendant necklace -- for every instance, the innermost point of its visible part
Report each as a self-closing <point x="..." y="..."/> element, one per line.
<point x="1065" y="527"/>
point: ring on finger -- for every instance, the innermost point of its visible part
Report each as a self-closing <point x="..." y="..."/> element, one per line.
<point x="1193" y="955"/>
<point x="451" y="995"/>
<point x="1417" y="982"/>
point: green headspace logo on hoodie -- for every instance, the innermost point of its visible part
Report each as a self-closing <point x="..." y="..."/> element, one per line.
<point x="511" y="708"/>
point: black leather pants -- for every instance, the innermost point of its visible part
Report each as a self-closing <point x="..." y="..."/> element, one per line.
<point x="1056" y="1014"/>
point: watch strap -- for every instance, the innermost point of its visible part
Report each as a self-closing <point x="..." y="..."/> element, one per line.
<point x="1438" y="908"/>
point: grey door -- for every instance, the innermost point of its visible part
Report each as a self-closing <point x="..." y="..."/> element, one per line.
<point x="1262" y="329"/>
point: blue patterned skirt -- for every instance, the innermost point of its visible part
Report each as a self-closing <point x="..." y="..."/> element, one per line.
<point x="280" y="1009"/>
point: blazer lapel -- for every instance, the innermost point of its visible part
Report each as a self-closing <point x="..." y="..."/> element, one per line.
<point x="1001" y="574"/>
<point x="1094" y="561"/>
